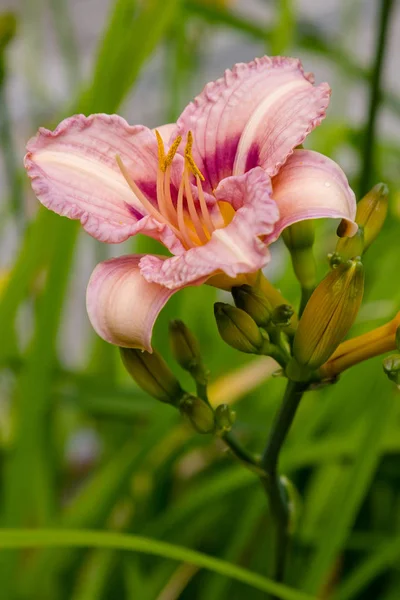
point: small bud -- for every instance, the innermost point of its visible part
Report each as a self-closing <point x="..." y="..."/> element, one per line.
<point x="391" y="366"/>
<point x="225" y="417"/>
<point x="299" y="239"/>
<point x="186" y="350"/>
<point x="329" y="314"/>
<point x="199" y="413"/>
<point x="371" y="212"/>
<point x="152" y="374"/>
<point x="237" y="328"/>
<point x="253" y="302"/>
<point x="282" y="315"/>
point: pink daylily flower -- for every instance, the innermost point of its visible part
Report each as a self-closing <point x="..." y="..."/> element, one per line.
<point x="216" y="188"/>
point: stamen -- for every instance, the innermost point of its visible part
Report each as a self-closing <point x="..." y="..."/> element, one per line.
<point x="167" y="195"/>
<point x="161" y="151"/>
<point x="181" y="221"/>
<point x="172" y="151"/>
<point x="142" y="198"/>
<point x="192" y="209"/>
<point x="189" y="157"/>
<point x="204" y="208"/>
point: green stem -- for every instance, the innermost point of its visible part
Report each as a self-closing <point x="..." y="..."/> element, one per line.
<point x="245" y="457"/>
<point x="271" y="481"/>
<point x="375" y="97"/>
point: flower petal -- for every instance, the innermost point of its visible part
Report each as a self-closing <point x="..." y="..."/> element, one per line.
<point x="122" y="306"/>
<point x="254" y="115"/>
<point x="74" y="172"/>
<point x="234" y="249"/>
<point x="312" y="186"/>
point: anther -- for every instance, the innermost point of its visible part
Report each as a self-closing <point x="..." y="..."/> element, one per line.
<point x="189" y="157"/>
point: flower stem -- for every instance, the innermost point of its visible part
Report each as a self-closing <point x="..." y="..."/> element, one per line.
<point x="245" y="457"/>
<point x="271" y="481"/>
<point x="375" y="97"/>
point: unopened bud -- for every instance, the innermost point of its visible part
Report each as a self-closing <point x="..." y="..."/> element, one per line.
<point x="391" y="366"/>
<point x="329" y="314"/>
<point x="282" y="315"/>
<point x="152" y="374"/>
<point x="348" y="248"/>
<point x="225" y="417"/>
<point x="372" y="211"/>
<point x="199" y="413"/>
<point x="186" y="350"/>
<point x="237" y="328"/>
<point x="299" y="239"/>
<point x="253" y="302"/>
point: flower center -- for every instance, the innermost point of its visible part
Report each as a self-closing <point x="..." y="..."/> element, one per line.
<point x="189" y="219"/>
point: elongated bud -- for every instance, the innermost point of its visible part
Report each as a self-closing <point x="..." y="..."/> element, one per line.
<point x="329" y="314"/>
<point x="152" y="374"/>
<point x="391" y="366"/>
<point x="237" y="328"/>
<point x="299" y="239"/>
<point x="199" y="413"/>
<point x="186" y="350"/>
<point x="348" y="248"/>
<point x="372" y="211"/>
<point x="282" y="315"/>
<point x="254" y="302"/>
<point x="225" y="417"/>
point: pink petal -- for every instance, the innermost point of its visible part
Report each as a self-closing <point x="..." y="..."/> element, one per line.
<point x="254" y="115"/>
<point x="235" y="249"/>
<point x="312" y="186"/>
<point x="74" y="172"/>
<point x="122" y="306"/>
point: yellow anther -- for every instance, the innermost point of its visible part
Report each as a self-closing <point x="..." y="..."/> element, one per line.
<point x="161" y="151"/>
<point x="189" y="157"/>
<point x="172" y="151"/>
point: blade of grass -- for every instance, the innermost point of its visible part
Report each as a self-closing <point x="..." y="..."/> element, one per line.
<point x="96" y="539"/>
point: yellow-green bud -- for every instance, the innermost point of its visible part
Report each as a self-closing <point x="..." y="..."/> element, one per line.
<point x="225" y="417"/>
<point x="152" y="374"/>
<point x="391" y="366"/>
<point x="329" y="314"/>
<point x="282" y="315"/>
<point x="186" y="350"/>
<point x="199" y="413"/>
<point x="372" y="211"/>
<point x="299" y="239"/>
<point x="237" y="328"/>
<point x="348" y="248"/>
<point x="254" y="302"/>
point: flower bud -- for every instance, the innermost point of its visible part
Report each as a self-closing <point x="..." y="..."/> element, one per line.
<point x="254" y="303"/>
<point x="199" y="413"/>
<point x="282" y="315"/>
<point x="152" y="374"/>
<point x="371" y="212"/>
<point x="329" y="314"/>
<point x="225" y="417"/>
<point x="186" y="350"/>
<point x="348" y="248"/>
<point x="391" y="366"/>
<point x="237" y="328"/>
<point x="299" y="239"/>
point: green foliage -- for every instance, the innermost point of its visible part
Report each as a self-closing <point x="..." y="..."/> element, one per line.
<point x="158" y="512"/>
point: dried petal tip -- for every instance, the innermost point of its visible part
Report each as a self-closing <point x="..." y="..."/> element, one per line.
<point x="186" y="350"/>
<point x="199" y="413"/>
<point x="152" y="374"/>
<point x="391" y="366"/>
<point x="372" y="211"/>
<point x="237" y="328"/>
<point x="329" y="314"/>
<point x="254" y="303"/>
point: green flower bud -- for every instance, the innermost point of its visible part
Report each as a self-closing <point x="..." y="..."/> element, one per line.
<point x="225" y="417"/>
<point x="391" y="366"/>
<point x="299" y="239"/>
<point x="237" y="328"/>
<point x="329" y="314"/>
<point x="186" y="350"/>
<point x="282" y="315"/>
<point x="152" y="374"/>
<point x="348" y="248"/>
<point x="253" y="302"/>
<point x="371" y="212"/>
<point x="199" y="413"/>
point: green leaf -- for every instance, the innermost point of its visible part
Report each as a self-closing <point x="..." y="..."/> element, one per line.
<point x="25" y="538"/>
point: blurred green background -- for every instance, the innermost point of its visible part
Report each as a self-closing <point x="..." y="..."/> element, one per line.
<point x="81" y="447"/>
